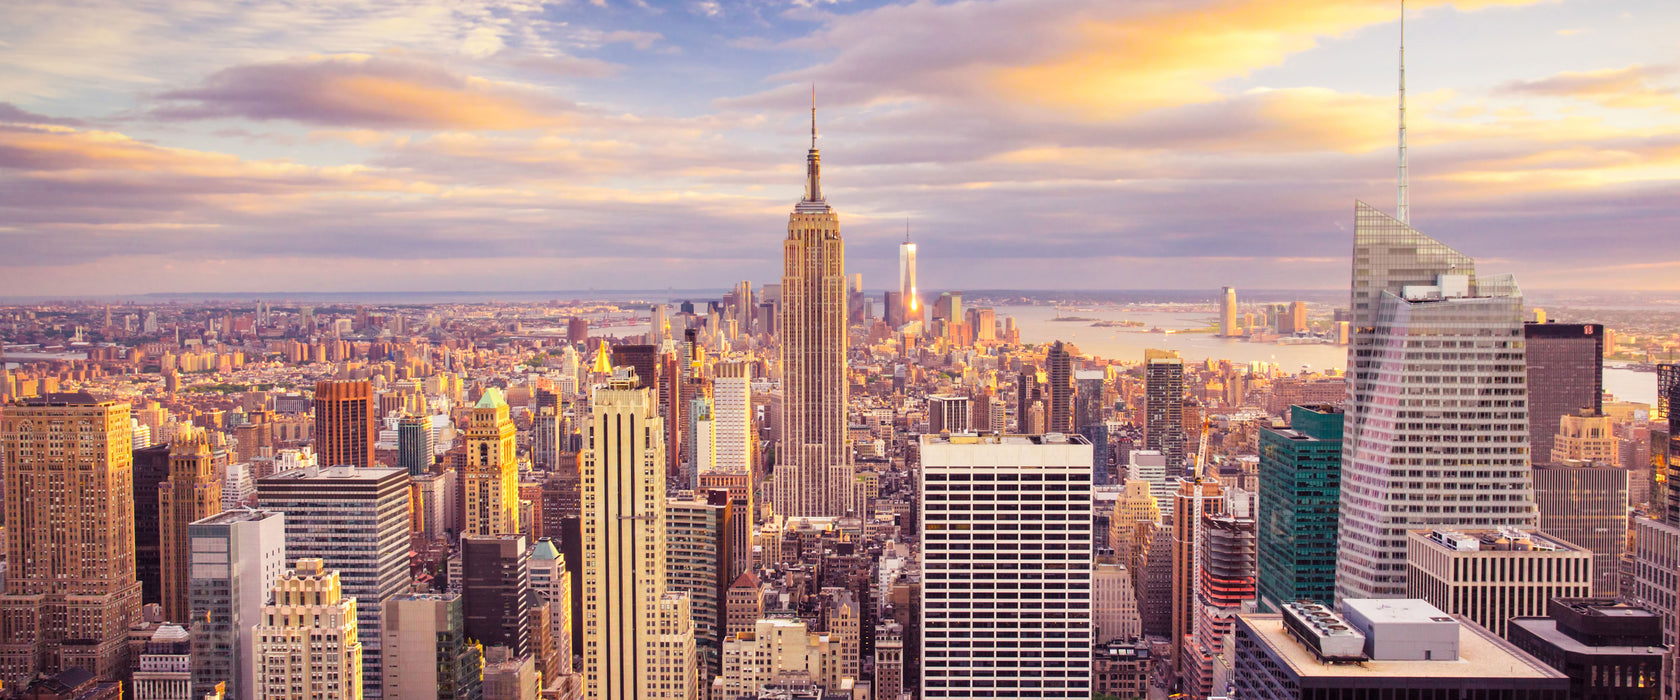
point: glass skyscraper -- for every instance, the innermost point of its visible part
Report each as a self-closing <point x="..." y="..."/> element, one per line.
<point x="1300" y="490"/>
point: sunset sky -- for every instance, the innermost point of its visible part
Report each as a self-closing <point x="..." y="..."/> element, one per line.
<point x="394" y="145"/>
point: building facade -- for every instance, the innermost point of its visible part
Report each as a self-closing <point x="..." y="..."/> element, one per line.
<point x="490" y="481"/>
<point x="236" y="558"/>
<point x="1565" y="365"/>
<point x="427" y="652"/>
<point x="306" y="642"/>
<point x="1493" y="576"/>
<point x="192" y="492"/>
<point x="1300" y="498"/>
<point x="345" y="415"/>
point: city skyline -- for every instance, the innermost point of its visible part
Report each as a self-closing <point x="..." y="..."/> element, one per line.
<point x="501" y="147"/>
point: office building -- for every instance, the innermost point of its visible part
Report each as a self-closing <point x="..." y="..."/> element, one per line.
<point x="1163" y="407"/>
<point x="1437" y="362"/>
<point x="1583" y="438"/>
<point x="344" y="422"/>
<point x="1089" y="421"/>
<point x="909" y="298"/>
<point x="743" y="605"/>
<point x="1587" y="506"/>
<point x="1185" y="576"/>
<point x="947" y="413"/>
<point x="490" y="480"/>
<point x="1228" y="313"/>
<point x="547" y="431"/>
<point x="1656" y="572"/>
<point x="732" y="417"/>
<point x="192" y="492"/>
<point x="1114" y="608"/>
<point x="635" y="634"/>
<point x="357" y="522"/>
<point x="700" y="443"/>
<point x="427" y="651"/>
<point x="70" y="592"/>
<point x="151" y="467"/>
<point x="236" y="558"/>
<point x="1018" y="627"/>
<point x="496" y="591"/>
<point x="164" y="669"/>
<point x="1150" y="466"/>
<point x="1565" y="365"/>
<point x="1492" y="576"/>
<point x="1380" y="649"/>
<point x="889" y="661"/>
<point x="1609" y="650"/>
<point x="1300" y="485"/>
<point x="306" y="640"/>
<point x="773" y="649"/>
<point x="694" y="563"/>
<point x="1059" y="368"/>
<point x="814" y="473"/>
<point x="414" y="445"/>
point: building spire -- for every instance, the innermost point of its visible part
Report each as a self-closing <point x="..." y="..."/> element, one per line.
<point x="813" y="179"/>
<point x="1402" y="209"/>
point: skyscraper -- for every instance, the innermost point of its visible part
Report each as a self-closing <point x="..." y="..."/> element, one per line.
<point x="490" y="482"/>
<point x="1061" y="388"/>
<point x="151" y="467"/>
<point x="1006" y="625"/>
<point x="546" y="434"/>
<point x="192" y="492"/>
<point x="1163" y="407"/>
<point x="1185" y="574"/>
<point x="427" y="652"/>
<point x="1565" y="365"/>
<point x="236" y="558"/>
<point x="1228" y="312"/>
<point x="815" y="473"/>
<point x="732" y="417"/>
<point x="496" y="591"/>
<point x="1300" y="487"/>
<point x="909" y="298"/>
<point x="551" y="580"/>
<point x="695" y="565"/>
<point x="344" y="422"/>
<point x="947" y="414"/>
<point x="357" y="521"/>
<point x="414" y="444"/>
<point x="70" y="592"/>
<point x="1587" y="506"/>
<point x="1436" y="429"/>
<point x="1089" y="421"/>
<point x="307" y="642"/>
<point x="638" y="642"/>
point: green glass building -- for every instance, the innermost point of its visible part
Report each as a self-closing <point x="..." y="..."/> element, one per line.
<point x="1300" y="491"/>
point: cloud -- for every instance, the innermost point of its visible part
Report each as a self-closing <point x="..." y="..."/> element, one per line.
<point x="1633" y="87"/>
<point x="363" y="91"/>
<point x="10" y="113"/>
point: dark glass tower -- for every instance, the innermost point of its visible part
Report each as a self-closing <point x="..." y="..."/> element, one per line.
<point x="1565" y="375"/>
<point x="1300" y="494"/>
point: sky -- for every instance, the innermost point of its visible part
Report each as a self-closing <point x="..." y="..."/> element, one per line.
<point x="400" y="145"/>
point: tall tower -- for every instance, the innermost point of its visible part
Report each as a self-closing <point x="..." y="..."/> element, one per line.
<point x="70" y="590"/>
<point x="236" y="558"/>
<point x="192" y="492"/>
<point x="815" y="471"/>
<point x="490" y="484"/>
<point x="1163" y="406"/>
<point x="732" y="417"/>
<point x="1228" y="312"/>
<point x="633" y="632"/>
<point x="1453" y="455"/>
<point x="1061" y="388"/>
<point x="908" y="296"/>
<point x="344" y="417"/>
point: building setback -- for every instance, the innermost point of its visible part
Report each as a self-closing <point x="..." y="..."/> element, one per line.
<point x="1610" y="651"/>
<point x="1493" y="576"/>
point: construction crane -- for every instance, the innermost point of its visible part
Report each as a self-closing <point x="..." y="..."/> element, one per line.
<point x="1197" y="531"/>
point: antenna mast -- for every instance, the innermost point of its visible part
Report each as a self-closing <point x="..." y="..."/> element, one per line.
<point x="1402" y="209"/>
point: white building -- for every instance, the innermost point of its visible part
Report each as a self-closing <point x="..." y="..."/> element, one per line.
<point x="773" y="648"/>
<point x="732" y="417"/>
<point x="235" y="559"/>
<point x="307" y="647"/>
<point x="1006" y="566"/>
<point x="165" y="668"/>
<point x="1151" y="466"/>
<point x="1114" y="602"/>
<point x="1436" y="421"/>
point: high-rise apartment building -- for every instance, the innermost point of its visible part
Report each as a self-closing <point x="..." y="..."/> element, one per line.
<point x="344" y="422"/>
<point x="1150" y="466"/>
<point x="414" y="445"/>
<point x="1436" y="432"/>
<point x="1494" y="575"/>
<point x="774" y="648"/>
<point x="814" y="475"/>
<point x="1006" y="568"/>
<point x="1060" y="371"/>
<point x="1300" y="486"/>
<point x="357" y="521"/>
<point x="307" y="644"/>
<point x="236" y="558"/>
<point x="732" y="417"/>
<point x="699" y="441"/>
<point x="1228" y="312"/>
<point x="192" y="492"/>
<point x="635" y="635"/>
<point x="1163" y="407"/>
<point x="1565" y="366"/>
<point x="427" y="651"/>
<point x="496" y="591"/>
<point x="490" y="481"/>
<point x="70" y="592"/>
<point x="1587" y="506"/>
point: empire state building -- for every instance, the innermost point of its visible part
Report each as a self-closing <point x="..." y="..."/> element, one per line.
<point x="814" y="474"/>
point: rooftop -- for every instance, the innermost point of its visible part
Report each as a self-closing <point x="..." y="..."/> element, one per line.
<point x="1002" y="439"/>
<point x="1480" y="655"/>
<point x="1547" y="629"/>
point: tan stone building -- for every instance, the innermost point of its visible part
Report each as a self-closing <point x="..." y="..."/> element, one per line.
<point x="490" y="482"/>
<point x="192" y="492"/>
<point x="306" y="644"/>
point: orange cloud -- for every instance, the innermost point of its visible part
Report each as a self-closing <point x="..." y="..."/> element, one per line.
<point x="1633" y="87"/>
<point x="1130" y="65"/>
